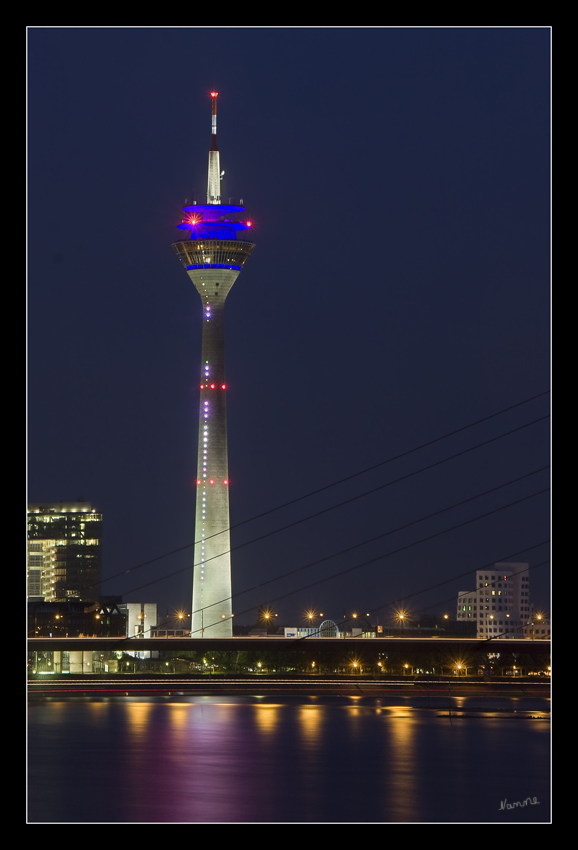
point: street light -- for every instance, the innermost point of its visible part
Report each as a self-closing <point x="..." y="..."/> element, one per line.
<point x="311" y="616"/>
<point x="538" y="618"/>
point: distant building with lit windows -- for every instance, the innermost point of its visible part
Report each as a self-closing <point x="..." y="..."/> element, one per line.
<point x="500" y="602"/>
<point x="328" y="628"/>
<point x="64" y="551"/>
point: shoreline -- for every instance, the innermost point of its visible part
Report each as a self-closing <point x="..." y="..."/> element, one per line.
<point x="300" y="686"/>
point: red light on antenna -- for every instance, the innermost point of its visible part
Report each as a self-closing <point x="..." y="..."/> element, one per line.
<point x="214" y="93"/>
<point x="223" y="386"/>
<point x="212" y="481"/>
<point x="198" y="480"/>
<point x="202" y="386"/>
<point x="249" y="224"/>
<point x="212" y="386"/>
<point x="225" y="481"/>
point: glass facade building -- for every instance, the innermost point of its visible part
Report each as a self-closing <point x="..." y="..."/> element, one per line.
<point x="64" y="551"/>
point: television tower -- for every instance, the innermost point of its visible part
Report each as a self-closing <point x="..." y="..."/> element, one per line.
<point x="213" y="258"/>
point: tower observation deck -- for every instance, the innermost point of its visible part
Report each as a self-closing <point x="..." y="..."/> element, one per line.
<point x="213" y="257"/>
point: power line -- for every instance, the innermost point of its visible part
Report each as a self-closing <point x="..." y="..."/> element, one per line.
<point x="404" y="548"/>
<point x="386" y="533"/>
<point x="278" y="578"/>
<point x="341" y="481"/>
<point x="490" y="566"/>
<point x="349" y="549"/>
<point x="388" y="554"/>
<point x="350" y="500"/>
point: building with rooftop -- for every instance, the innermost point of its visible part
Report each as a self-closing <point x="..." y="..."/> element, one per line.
<point x="64" y="551"/>
<point x="499" y="604"/>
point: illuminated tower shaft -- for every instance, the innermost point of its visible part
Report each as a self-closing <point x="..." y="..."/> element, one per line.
<point x="213" y="258"/>
<point x="212" y="605"/>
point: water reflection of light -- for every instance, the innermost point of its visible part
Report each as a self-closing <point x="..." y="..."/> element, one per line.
<point x="138" y="715"/>
<point x="200" y="760"/>
<point x="267" y="716"/>
<point x="355" y="708"/>
<point x="401" y="782"/>
<point x="310" y="721"/>
<point x="98" y="708"/>
<point x="179" y="715"/>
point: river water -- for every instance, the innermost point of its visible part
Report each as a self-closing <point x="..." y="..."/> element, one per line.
<point x="287" y="759"/>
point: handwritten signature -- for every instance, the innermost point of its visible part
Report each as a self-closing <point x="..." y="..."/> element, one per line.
<point x="529" y="801"/>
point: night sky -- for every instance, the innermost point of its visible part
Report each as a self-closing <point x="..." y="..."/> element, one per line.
<point x="399" y="181"/>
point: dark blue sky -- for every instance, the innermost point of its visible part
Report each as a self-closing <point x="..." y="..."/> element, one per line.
<point x="399" y="180"/>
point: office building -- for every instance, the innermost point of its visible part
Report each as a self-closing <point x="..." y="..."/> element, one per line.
<point x="500" y="602"/>
<point x="64" y="551"/>
<point x="141" y="617"/>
